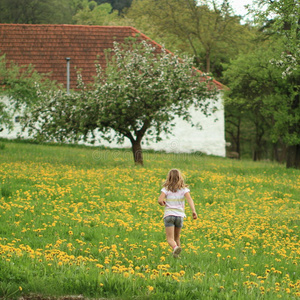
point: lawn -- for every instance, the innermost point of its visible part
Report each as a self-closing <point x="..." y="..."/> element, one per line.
<point x="85" y="221"/>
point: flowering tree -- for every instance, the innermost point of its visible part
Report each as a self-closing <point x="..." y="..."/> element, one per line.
<point x="136" y="97"/>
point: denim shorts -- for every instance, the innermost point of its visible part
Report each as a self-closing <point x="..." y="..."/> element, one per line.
<point x="173" y="221"/>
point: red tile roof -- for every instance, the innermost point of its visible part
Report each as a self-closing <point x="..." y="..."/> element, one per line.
<point x="47" y="46"/>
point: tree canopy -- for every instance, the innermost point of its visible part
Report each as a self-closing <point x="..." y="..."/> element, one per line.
<point x="283" y="19"/>
<point x="210" y="32"/>
<point x="38" y="12"/>
<point x="266" y="81"/>
<point x="257" y="94"/>
<point x="94" y="14"/>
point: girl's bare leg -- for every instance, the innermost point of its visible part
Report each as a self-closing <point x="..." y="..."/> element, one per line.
<point x="177" y="235"/>
<point x="170" y="232"/>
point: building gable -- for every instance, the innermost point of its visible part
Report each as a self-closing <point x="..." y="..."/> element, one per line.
<point x="46" y="47"/>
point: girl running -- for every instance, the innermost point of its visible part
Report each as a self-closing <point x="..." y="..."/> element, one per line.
<point x="172" y="197"/>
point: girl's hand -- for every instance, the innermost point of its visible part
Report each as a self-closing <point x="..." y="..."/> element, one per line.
<point x="161" y="199"/>
<point x="195" y="215"/>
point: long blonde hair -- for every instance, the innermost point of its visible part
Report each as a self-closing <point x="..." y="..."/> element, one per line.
<point x="174" y="181"/>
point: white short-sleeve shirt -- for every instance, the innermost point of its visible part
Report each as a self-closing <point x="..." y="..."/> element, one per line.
<point x="175" y="202"/>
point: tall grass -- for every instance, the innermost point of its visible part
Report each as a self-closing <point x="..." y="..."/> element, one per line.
<point x="78" y="220"/>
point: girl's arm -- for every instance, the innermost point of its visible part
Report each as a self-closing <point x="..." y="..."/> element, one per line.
<point x="161" y="199"/>
<point x="191" y="204"/>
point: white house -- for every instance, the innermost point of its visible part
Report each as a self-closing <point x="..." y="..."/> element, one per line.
<point x="51" y="48"/>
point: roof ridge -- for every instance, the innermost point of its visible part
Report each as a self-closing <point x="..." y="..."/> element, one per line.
<point x="64" y="25"/>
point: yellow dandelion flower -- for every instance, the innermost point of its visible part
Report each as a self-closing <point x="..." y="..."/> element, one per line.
<point x="150" y="288"/>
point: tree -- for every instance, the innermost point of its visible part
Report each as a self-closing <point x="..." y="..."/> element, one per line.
<point x="94" y="14"/>
<point x="257" y="88"/>
<point x="140" y="13"/>
<point x="18" y="85"/>
<point x="282" y="17"/>
<point x="37" y="12"/>
<point x="211" y="31"/>
<point x="137" y="97"/>
<point x="119" y="5"/>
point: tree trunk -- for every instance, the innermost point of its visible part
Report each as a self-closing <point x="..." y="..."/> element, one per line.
<point x="207" y="61"/>
<point x="137" y="153"/>
<point x="293" y="152"/>
<point x="279" y="152"/>
<point x="259" y="133"/>
<point x="293" y="157"/>
<point x="238" y="138"/>
<point x="257" y="152"/>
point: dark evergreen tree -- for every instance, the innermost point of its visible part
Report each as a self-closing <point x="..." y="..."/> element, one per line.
<point x="119" y="5"/>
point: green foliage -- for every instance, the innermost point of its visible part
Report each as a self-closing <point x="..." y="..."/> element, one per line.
<point x="18" y="88"/>
<point x="37" y="12"/>
<point x="93" y="14"/>
<point x="209" y="31"/>
<point x="267" y="83"/>
<point x="140" y="16"/>
<point x="5" y="117"/>
<point x="19" y="82"/>
<point x="281" y="17"/>
<point x="8" y="290"/>
<point x="262" y="96"/>
<point x="137" y="96"/>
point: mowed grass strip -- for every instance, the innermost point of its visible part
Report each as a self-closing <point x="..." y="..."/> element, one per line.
<point x="85" y="221"/>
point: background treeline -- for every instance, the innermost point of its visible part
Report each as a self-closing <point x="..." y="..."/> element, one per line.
<point x="262" y="105"/>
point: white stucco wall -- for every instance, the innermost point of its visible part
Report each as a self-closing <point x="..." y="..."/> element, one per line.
<point x="210" y="139"/>
<point x="185" y="139"/>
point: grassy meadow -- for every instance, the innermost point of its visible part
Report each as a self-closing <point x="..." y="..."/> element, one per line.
<point x="85" y="221"/>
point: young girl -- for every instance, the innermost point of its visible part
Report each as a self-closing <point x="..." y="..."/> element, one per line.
<point x="172" y="197"/>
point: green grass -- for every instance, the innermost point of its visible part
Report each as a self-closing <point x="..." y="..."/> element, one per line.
<point x="85" y="221"/>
